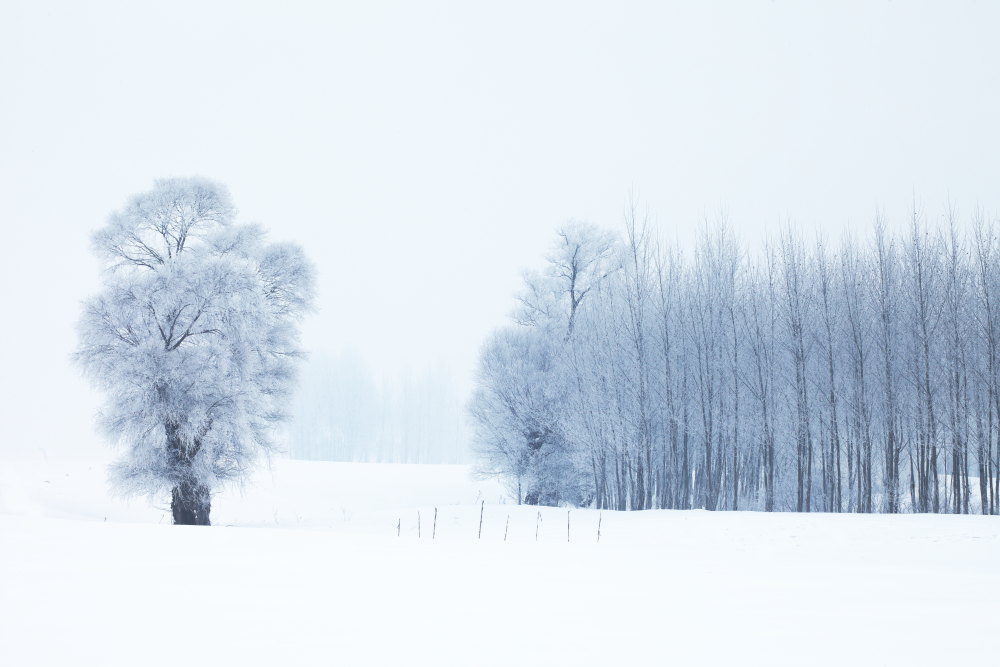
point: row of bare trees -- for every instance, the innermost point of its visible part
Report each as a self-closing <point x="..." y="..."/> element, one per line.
<point x="863" y="377"/>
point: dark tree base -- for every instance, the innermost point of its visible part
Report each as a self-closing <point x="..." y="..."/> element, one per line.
<point x="191" y="504"/>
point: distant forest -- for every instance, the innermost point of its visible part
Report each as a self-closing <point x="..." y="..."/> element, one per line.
<point x="857" y="376"/>
<point x="342" y="412"/>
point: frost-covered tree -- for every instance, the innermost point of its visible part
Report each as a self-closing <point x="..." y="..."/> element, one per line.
<point x="193" y="339"/>
<point x="580" y="259"/>
<point x="519" y="409"/>
<point x="516" y="412"/>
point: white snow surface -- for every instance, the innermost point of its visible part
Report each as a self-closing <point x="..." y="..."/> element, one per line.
<point x="305" y="568"/>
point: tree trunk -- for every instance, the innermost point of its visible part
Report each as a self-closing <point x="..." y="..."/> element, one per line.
<point x="191" y="504"/>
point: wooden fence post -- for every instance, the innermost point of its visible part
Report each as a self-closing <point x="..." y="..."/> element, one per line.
<point x="481" y="508"/>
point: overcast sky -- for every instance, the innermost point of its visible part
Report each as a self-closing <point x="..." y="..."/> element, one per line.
<point x="424" y="152"/>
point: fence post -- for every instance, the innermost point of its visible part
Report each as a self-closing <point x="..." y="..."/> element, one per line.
<point x="481" y="508"/>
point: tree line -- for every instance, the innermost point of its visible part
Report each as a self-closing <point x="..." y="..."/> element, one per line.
<point x="862" y="376"/>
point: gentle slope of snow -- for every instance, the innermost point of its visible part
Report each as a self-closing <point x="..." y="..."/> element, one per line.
<point x="660" y="588"/>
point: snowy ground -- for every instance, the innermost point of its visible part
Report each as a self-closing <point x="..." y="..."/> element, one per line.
<point x="305" y="568"/>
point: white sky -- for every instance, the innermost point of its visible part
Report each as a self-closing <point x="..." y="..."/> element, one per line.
<point x="424" y="152"/>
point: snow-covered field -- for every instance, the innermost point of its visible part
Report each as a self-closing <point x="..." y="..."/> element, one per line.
<point x="305" y="568"/>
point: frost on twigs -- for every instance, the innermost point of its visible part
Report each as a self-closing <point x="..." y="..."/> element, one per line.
<point x="193" y="339"/>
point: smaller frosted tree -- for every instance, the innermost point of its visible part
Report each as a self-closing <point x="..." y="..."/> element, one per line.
<point x="194" y="340"/>
<point x="521" y="407"/>
<point x="517" y="407"/>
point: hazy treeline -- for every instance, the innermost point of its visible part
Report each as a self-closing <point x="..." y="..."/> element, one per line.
<point x="862" y="376"/>
<point x="343" y="413"/>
